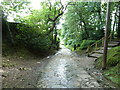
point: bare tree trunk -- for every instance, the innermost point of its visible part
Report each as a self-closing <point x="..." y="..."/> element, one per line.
<point x="106" y="36"/>
<point x="55" y="37"/>
<point x="0" y="39"/>
<point x="114" y="27"/>
<point x="118" y="33"/>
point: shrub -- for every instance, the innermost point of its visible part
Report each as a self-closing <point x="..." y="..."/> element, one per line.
<point x="113" y="64"/>
<point x="86" y="43"/>
<point x="113" y="56"/>
<point x="34" y="39"/>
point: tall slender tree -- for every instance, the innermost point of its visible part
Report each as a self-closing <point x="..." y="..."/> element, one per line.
<point x="114" y="24"/>
<point x="118" y="32"/>
<point x="106" y="36"/>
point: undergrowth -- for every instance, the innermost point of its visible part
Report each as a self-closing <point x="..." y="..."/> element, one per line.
<point x="113" y="64"/>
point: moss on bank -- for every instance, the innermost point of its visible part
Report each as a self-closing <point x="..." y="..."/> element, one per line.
<point x="113" y="64"/>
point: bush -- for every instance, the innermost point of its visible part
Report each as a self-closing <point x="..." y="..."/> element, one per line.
<point x="113" y="64"/>
<point x="99" y="42"/>
<point x="86" y="43"/>
<point x="34" y="39"/>
<point x="113" y="56"/>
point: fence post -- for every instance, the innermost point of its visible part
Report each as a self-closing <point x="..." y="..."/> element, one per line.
<point x="96" y="46"/>
<point x="103" y="41"/>
<point x="88" y="50"/>
<point x="110" y="37"/>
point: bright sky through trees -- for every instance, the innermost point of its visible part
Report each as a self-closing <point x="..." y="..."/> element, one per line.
<point x="35" y="4"/>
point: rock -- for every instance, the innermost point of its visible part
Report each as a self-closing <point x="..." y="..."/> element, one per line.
<point x="38" y="62"/>
<point x="4" y="75"/>
<point x="48" y="56"/>
<point x="22" y="68"/>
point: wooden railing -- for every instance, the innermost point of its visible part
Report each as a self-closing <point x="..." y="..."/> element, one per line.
<point x="97" y="44"/>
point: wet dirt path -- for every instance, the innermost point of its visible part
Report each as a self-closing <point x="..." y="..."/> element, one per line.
<point x="65" y="70"/>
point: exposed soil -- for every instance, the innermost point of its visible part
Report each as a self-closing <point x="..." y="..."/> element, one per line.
<point x="19" y="71"/>
<point x="22" y="73"/>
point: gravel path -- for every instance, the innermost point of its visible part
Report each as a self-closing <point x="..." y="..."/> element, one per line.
<point x="66" y="70"/>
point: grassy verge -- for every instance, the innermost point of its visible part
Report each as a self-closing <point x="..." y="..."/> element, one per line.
<point x="113" y="64"/>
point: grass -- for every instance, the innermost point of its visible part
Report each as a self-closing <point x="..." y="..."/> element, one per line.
<point x="112" y="74"/>
<point x="113" y="63"/>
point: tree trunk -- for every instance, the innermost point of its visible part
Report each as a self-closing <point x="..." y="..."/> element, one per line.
<point x="86" y="31"/>
<point x="55" y="37"/>
<point x="106" y="36"/>
<point x="100" y="19"/>
<point x="118" y="32"/>
<point x="10" y="33"/>
<point x="0" y="45"/>
<point x="114" y="27"/>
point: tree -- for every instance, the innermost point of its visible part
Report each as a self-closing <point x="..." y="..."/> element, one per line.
<point x="106" y="36"/>
<point x="83" y="21"/>
<point x="115" y="18"/>
<point x="12" y="9"/>
<point x="38" y="30"/>
<point x="118" y="31"/>
<point x="55" y="11"/>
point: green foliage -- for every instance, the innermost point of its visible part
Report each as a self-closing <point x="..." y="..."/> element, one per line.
<point x="113" y="56"/>
<point x="113" y="63"/>
<point x="34" y="29"/>
<point x="86" y="43"/>
<point x="83" y="21"/>
<point x="13" y="8"/>
<point x="34" y="37"/>
<point x="113" y="74"/>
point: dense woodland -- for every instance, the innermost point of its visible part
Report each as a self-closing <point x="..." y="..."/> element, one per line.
<point x="82" y="24"/>
<point x="85" y="23"/>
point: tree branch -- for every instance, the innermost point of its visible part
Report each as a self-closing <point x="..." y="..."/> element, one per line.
<point x="60" y="13"/>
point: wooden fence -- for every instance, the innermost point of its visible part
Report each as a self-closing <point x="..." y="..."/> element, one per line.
<point x="97" y="44"/>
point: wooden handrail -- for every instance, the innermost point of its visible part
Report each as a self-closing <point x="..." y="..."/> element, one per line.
<point x="96" y="43"/>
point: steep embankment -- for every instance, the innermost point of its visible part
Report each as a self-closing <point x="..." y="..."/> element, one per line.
<point x="113" y="64"/>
